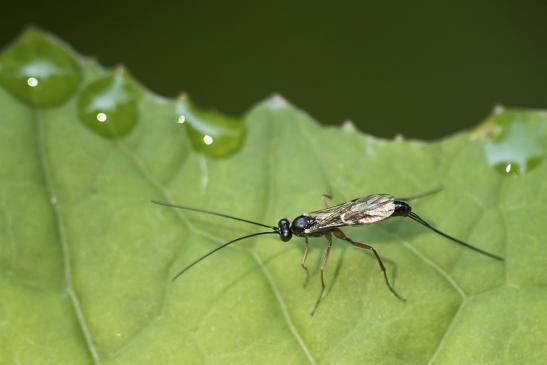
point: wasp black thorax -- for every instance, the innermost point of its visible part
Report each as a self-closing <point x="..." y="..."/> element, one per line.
<point x="300" y="224"/>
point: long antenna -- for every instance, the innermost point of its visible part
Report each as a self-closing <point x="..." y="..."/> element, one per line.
<point x="218" y="249"/>
<point x="417" y="218"/>
<point x="212" y="213"/>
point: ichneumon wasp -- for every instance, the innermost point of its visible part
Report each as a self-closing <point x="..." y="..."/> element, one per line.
<point x="328" y="221"/>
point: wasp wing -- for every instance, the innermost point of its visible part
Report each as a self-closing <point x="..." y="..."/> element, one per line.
<point x="370" y="209"/>
<point x="329" y="217"/>
<point x="365" y="210"/>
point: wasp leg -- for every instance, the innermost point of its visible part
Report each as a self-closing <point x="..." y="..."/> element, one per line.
<point x="323" y="266"/>
<point x="339" y="234"/>
<point x="326" y="199"/>
<point x="303" y="261"/>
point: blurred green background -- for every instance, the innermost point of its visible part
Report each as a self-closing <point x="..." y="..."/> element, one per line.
<point x="424" y="69"/>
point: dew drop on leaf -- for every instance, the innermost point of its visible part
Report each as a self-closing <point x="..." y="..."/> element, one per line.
<point x="38" y="71"/>
<point x="109" y="105"/>
<point x="212" y="134"/>
<point x="514" y="145"/>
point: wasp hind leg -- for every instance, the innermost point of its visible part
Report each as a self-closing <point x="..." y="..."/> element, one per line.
<point x="326" y="256"/>
<point x="339" y="234"/>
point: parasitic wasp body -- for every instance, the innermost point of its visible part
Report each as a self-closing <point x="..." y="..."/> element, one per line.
<point x="328" y="221"/>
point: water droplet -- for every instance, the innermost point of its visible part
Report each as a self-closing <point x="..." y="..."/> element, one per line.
<point x="207" y="139"/>
<point x="514" y="141"/>
<point x="32" y="81"/>
<point x="109" y="105"/>
<point x="181" y="119"/>
<point x="101" y="117"/>
<point x="508" y="168"/>
<point x="212" y="134"/>
<point x="39" y="71"/>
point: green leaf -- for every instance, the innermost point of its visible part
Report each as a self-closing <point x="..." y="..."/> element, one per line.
<point x="86" y="260"/>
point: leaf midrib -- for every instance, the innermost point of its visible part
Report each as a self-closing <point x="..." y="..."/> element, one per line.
<point x="57" y="213"/>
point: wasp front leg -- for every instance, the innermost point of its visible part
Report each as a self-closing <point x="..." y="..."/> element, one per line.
<point x="304" y="259"/>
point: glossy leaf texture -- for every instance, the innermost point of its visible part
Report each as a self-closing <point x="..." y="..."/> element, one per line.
<point x="86" y="260"/>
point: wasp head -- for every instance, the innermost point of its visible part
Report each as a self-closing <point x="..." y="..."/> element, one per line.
<point x="284" y="230"/>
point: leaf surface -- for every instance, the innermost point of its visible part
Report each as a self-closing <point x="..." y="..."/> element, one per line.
<point x="86" y="260"/>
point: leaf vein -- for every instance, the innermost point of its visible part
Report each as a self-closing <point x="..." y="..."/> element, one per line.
<point x="283" y="307"/>
<point x="65" y="249"/>
<point x="446" y="333"/>
<point x="267" y="275"/>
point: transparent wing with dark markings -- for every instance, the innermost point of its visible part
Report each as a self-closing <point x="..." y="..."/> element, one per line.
<point x="366" y="210"/>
